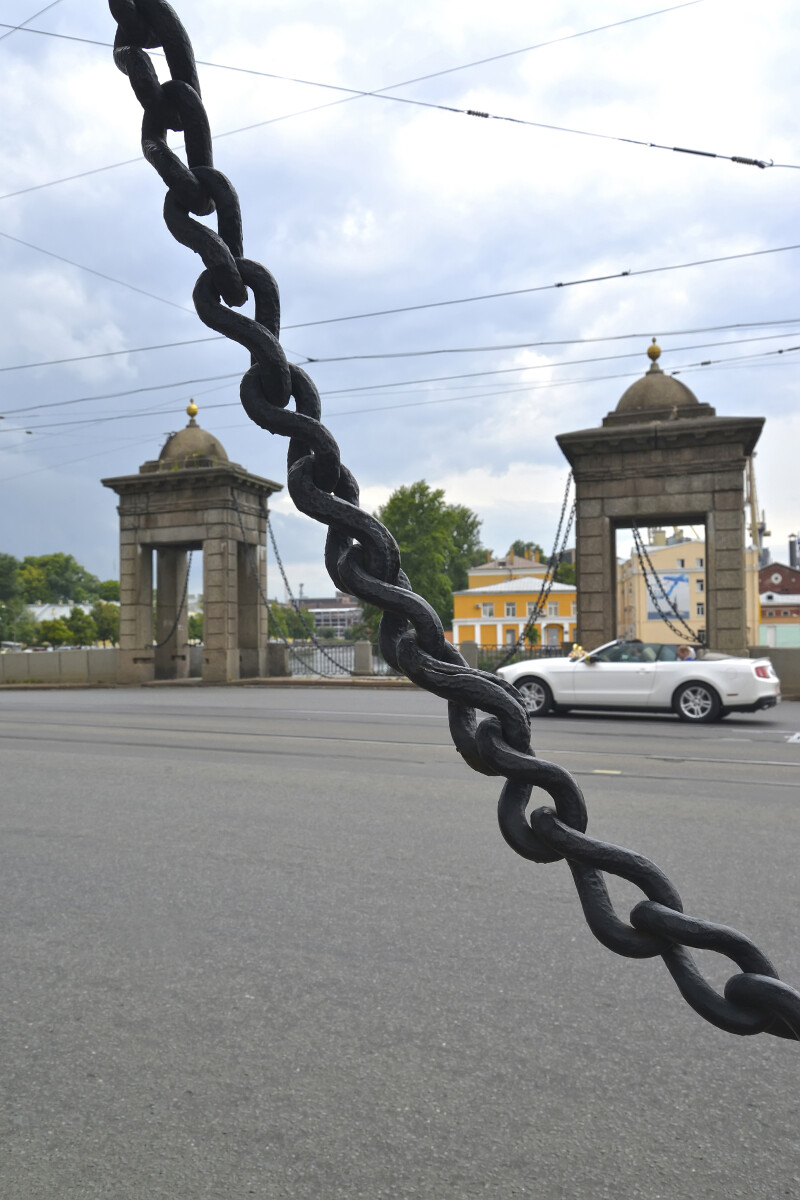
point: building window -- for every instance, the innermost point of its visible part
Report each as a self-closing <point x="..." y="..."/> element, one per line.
<point x="701" y="587"/>
<point x="785" y="612"/>
<point x="487" y="610"/>
<point x="552" y="608"/>
<point x="532" y="608"/>
<point x="681" y="562"/>
<point x="698" y="562"/>
<point x="701" y="610"/>
<point x="574" y="608"/>
<point x="511" y="608"/>
<point x="511" y="637"/>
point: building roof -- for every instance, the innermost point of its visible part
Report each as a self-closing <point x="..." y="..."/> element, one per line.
<point x="531" y="585"/>
<point x="510" y="562"/>
<point x="192" y="444"/>
<point x="657" y="397"/>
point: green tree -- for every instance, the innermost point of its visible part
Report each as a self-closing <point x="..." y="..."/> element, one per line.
<point x="106" y="621"/>
<point x="284" y="621"/>
<point x="566" y="573"/>
<point x="532" y="636"/>
<point x="195" y="627"/>
<point x="16" y="623"/>
<point x="54" y="633"/>
<point x="33" y="583"/>
<point x="82" y="629"/>
<point x="9" y="577"/>
<point x="56" y="579"/>
<point x="109" y="590"/>
<point x="438" y="543"/>
<point x="523" y="549"/>
<point x="464" y="549"/>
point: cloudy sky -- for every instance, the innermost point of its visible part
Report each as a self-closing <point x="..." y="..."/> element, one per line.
<point x="359" y="204"/>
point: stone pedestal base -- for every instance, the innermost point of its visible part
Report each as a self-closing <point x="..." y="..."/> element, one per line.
<point x="136" y="666"/>
<point x="219" y="666"/>
<point x="253" y="663"/>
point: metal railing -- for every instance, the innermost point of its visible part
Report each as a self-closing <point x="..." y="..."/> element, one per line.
<point x="337" y="659"/>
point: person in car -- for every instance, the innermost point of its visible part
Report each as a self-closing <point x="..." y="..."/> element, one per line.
<point x="685" y="654"/>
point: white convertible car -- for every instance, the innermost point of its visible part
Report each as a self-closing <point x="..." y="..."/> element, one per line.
<point x="646" y="675"/>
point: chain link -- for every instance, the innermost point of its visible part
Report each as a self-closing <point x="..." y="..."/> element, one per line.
<point x="644" y="558"/>
<point x="362" y="558"/>
<point x="177" y="621"/>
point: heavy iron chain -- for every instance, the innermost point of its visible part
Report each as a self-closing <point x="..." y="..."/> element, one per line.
<point x="363" y="559"/>
<point x="647" y="566"/>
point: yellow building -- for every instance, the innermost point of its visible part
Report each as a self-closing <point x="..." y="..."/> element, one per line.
<point x="495" y="614"/>
<point x="681" y="568"/>
<point x="498" y="570"/>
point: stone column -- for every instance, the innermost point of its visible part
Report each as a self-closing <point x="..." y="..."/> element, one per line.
<point x="725" y="582"/>
<point x="252" y="571"/>
<point x="220" y="609"/>
<point x="136" y="657"/>
<point x="172" y="658"/>
<point x="596" y="571"/>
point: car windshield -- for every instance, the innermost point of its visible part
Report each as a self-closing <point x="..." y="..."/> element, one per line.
<point x="630" y="652"/>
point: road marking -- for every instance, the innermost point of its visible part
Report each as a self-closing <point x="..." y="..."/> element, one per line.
<point x="794" y="738"/>
<point x="599" y="771"/>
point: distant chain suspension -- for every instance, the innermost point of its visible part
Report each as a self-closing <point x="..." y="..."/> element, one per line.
<point x="553" y="564"/>
<point x="177" y="621"/>
<point x="253" y="568"/>
<point x="650" y="574"/>
<point x="363" y="559"/>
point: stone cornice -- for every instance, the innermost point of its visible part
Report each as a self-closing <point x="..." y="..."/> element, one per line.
<point x="643" y="437"/>
<point x="186" y="478"/>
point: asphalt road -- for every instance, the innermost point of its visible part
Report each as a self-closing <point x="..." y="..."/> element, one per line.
<point x="270" y="943"/>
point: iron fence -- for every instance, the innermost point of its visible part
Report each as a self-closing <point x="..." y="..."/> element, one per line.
<point x="337" y="660"/>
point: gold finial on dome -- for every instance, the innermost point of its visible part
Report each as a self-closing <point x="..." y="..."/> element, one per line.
<point x="191" y="409"/>
<point x="654" y="351"/>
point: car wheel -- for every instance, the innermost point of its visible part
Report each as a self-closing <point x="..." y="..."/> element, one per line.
<point x="697" y="702"/>
<point x="536" y="696"/>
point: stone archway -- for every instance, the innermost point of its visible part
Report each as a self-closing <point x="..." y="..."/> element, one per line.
<point x="661" y="457"/>
<point x="192" y="498"/>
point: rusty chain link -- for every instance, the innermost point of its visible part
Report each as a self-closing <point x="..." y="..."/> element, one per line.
<point x="362" y="558"/>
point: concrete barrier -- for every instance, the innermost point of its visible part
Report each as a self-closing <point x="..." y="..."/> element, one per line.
<point x="60" y="666"/>
<point x="786" y="661"/>
<point x="14" y="667"/>
<point x="103" y="664"/>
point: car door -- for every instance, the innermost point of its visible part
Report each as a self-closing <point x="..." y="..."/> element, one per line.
<point x="619" y="677"/>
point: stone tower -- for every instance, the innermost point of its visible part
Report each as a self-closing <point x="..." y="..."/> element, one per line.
<point x="661" y="457"/>
<point x="192" y="498"/>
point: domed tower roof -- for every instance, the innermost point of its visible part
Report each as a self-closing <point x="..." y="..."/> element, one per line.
<point x="657" y="397"/>
<point x="192" y="444"/>
<point x="192" y="447"/>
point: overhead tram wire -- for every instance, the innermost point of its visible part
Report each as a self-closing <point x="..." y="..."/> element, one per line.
<point x="520" y="389"/>
<point x="480" y="62"/>
<point x="99" y="274"/>
<point x="20" y="27"/>
<point x="576" y="341"/>
<point x="382" y="94"/>
<point x="406" y="383"/>
<point x="432" y="304"/>
<point x="352" y="94"/>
